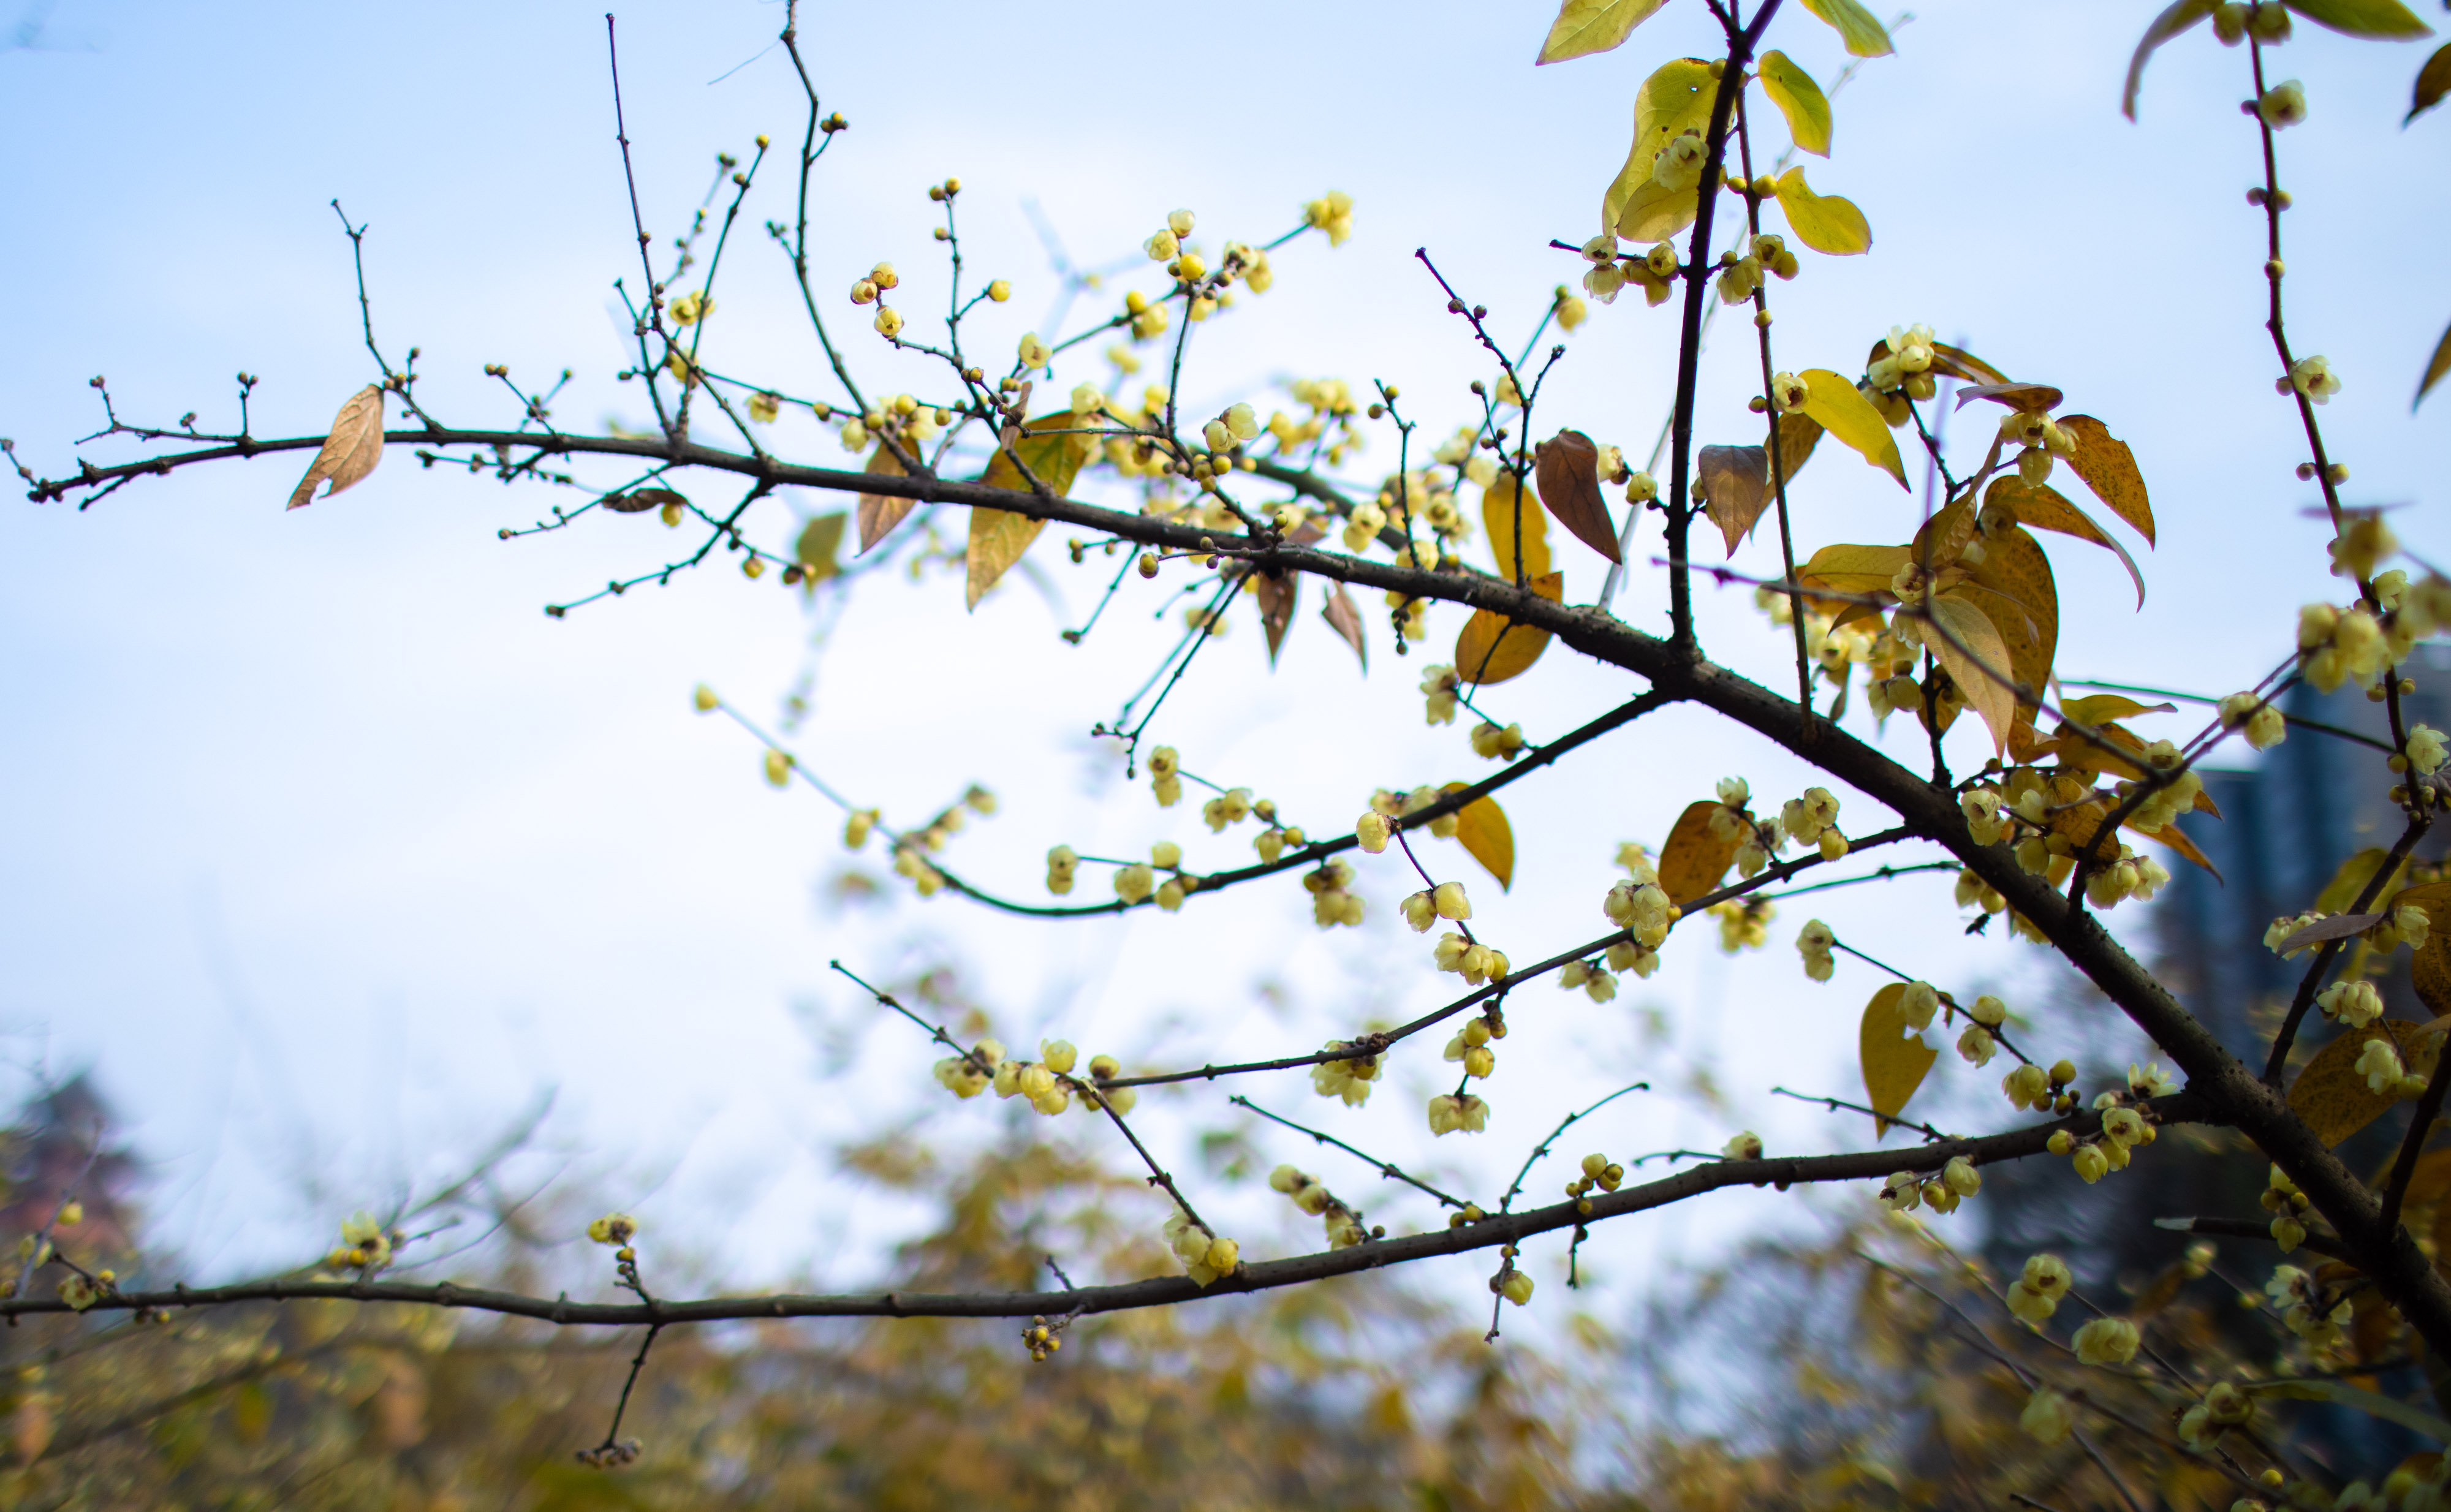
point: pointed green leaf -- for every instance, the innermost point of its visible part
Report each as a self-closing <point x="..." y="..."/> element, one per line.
<point x="2433" y="82"/>
<point x="2181" y="16"/>
<point x="1798" y="99"/>
<point x="1585" y="27"/>
<point x="2385" y="19"/>
<point x="1864" y="35"/>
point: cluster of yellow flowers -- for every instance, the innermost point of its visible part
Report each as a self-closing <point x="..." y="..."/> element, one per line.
<point x="365" y="1247"/>
<point x="1817" y="942"/>
<point x="1453" y="1111"/>
<point x="1439" y="685"/>
<point x="1048" y="1082"/>
<point x="1344" y="1225"/>
<point x="1205" y="1256"/>
<point x="1906" y="1191"/>
<point x="2306" y="1309"/>
<point x="1333" y="214"/>
<point x="2032" y="1085"/>
<point x="1332" y="900"/>
<point x="1744" y="923"/>
<point x="1977" y="1044"/>
<point x="2282" y="1199"/>
<point x="1348" y="1078"/>
<point x="1601" y="1172"/>
<point x="1471" y="1044"/>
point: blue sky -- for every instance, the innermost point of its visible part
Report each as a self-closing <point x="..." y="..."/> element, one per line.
<point x="326" y="849"/>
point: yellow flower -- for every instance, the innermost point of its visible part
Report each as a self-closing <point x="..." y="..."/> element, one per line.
<point x="613" y="1229"/>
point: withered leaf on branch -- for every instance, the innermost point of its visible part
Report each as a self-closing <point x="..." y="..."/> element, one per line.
<point x="1347" y="621"/>
<point x="1275" y="596"/>
<point x="1570" y="485"/>
<point x="1492" y="648"/>
<point x="1736" y="489"/>
<point x="1895" y="1058"/>
<point x="350" y="451"/>
<point x="1694" y="857"/>
<point x="639" y="500"/>
<point x="880" y="513"/>
<point x="1486" y="834"/>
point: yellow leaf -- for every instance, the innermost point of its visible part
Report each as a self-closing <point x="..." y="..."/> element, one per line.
<point x="1492" y="648"/>
<point x="1487" y="835"/>
<point x="880" y="513"/>
<point x="2104" y="707"/>
<point x="2109" y="469"/>
<point x="1501" y="503"/>
<point x="2013" y="587"/>
<point x="1676" y="97"/>
<point x="2351" y="879"/>
<point x="1826" y="223"/>
<point x="1585" y="27"/>
<point x="1735" y="484"/>
<point x="2047" y="508"/>
<point x="999" y="537"/>
<point x="1798" y="433"/>
<point x="2363" y="18"/>
<point x="2171" y="836"/>
<point x="2439" y="363"/>
<point x="1854" y="569"/>
<point x="1895" y="1058"/>
<point x="2168" y="24"/>
<point x="2430" y="973"/>
<point x="1855" y="26"/>
<point x="1965" y="642"/>
<point x="1694" y="860"/>
<point x="2332" y="1097"/>
<point x="816" y="549"/>
<point x="1798" y="99"/>
<point x="350" y="452"/>
<point x="1841" y="409"/>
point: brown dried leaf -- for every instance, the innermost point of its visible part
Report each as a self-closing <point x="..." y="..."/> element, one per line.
<point x="1894" y="1057"/>
<point x="2176" y="838"/>
<point x="1570" y="486"/>
<point x="999" y="537"/>
<point x="2109" y="469"/>
<point x="2430" y="972"/>
<point x="2332" y="1097"/>
<point x="1347" y="621"/>
<point x="2013" y="587"/>
<point x="1736" y="485"/>
<point x="1693" y="860"/>
<point x="1487" y="835"/>
<point x="2047" y="508"/>
<point x="350" y="452"/>
<point x="1275" y="596"/>
<point x="880" y="513"/>
<point x="1492" y="648"/>
<point x="2014" y="394"/>
<point x="641" y="501"/>
<point x="2338" y="927"/>
<point x="1798" y="433"/>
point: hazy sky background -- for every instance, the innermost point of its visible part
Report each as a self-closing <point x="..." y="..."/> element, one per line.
<point x="326" y="849"/>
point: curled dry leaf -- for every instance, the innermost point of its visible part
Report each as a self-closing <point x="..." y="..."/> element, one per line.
<point x="1570" y="485"/>
<point x="1486" y="836"/>
<point x="1894" y="1057"/>
<point x="639" y="500"/>
<point x="2178" y="18"/>
<point x="2109" y="469"/>
<point x="2012" y="394"/>
<point x="880" y="513"/>
<point x="2338" y="927"/>
<point x="1275" y="596"/>
<point x="1736" y="489"/>
<point x="1346" y="620"/>
<point x="1694" y="860"/>
<point x="350" y="451"/>
<point x="1492" y="648"/>
<point x="2047" y="508"/>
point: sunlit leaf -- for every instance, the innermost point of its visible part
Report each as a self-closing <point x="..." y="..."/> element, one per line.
<point x="2332" y="1097"/>
<point x="1854" y="569"/>
<point x="1826" y="223"/>
<point x="1735" y="488"/>
<point x="2433" y="82"/>
<point x="1346" y="620"/>
<point x="1798" y="434"/>
<point x="1503" y="504"/>
<point x="1966" y="643"/>
<point x="1567" y="472"/>
<point x="1676" y="97"/>
<point x="2047" y="508"/>
<point x="1964" y="365"/>
<point x="1491" y="648"/>
<point x="999" y="537"/>
<point x="2386" y="19"/>
<point x="2014" y="588"/>
<point x="1841" y="409"/>
<point x="1585" y="27"/>
<point x="1895" y="1058"/>
<point x="1054" y="447"/>
<point x="820" y="539"/>
<point x="1482" y="826"/>
<point x="2176" y="838"/>
<point x="2102" y="708"/>
<point x="1694" y="860"/>
<point x="2436" y="367"/>
<point x="350" y="452"/>
<point x="880" y="513"/>
<point x="1798" y="99"/>
<point x="1865" y="37"/>
<point x="2109" y="469"/>
<point x="2168" y="24"/>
